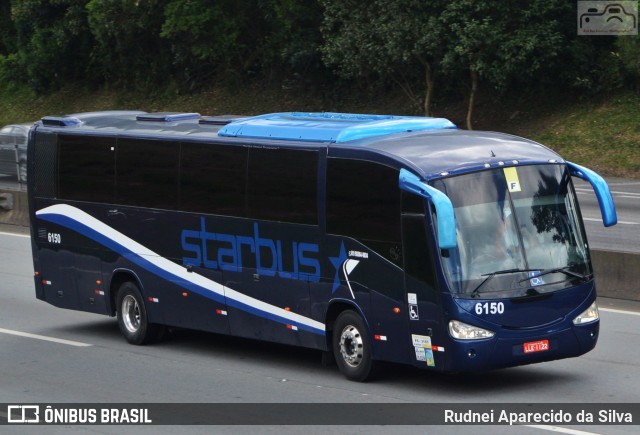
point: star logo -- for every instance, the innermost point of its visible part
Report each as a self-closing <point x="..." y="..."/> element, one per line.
<point x="337" y="263"/>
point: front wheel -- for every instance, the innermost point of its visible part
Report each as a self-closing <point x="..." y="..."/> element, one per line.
<point x="352" y="347"/>
<point x="132" y="316"/>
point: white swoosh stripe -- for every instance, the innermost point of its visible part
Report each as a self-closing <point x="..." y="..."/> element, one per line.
<point x="174" y="269"/>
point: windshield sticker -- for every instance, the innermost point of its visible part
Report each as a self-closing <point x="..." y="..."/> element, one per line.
<point x="534" y="279"/>
<point x="511" y="175"/>
<point x="412" y="298"/>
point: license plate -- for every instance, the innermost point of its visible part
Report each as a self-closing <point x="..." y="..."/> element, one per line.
<point x="536" y="346"/>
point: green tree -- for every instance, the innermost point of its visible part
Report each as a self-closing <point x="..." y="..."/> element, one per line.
<point x="496" y="41"/>
<point x="202" y="36"/>
<point x="128" y="50"/>
<point x="628" y="50"/>
<point x="248" y="38"/>
<point x="7" y="29"/>
<point x="52" y="41"/>
<point x="292" y="45"/>
<point x="397" y="41"/>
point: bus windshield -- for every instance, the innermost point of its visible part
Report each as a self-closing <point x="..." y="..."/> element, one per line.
<point x="518" y="231"/>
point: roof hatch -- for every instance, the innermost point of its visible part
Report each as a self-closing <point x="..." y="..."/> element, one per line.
<point x="60" y="121"/>
<point x="220" y="120"/>
<point x="167" y="116"/>
<point x="328" y="126"/>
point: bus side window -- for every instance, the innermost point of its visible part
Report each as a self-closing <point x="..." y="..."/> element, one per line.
<point x="86" y="168"/>
<point x="282" y="185"/>
<point x="363" y="202"/>
<point x="147" y="173"/>
<point x="419" y="258"/>
<point x="213" y="179"/>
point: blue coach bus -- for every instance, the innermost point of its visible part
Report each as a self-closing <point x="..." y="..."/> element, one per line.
<point x="369" y="237"/>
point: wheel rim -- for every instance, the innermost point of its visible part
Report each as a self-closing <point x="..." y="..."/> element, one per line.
<point x="131" y="313"/>
<point x="351" y="346"/>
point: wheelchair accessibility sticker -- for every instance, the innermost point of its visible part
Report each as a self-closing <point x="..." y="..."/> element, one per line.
<point x="607" y="18"/>
<point x="413" y="312"/>
<point x="534" y="279"/>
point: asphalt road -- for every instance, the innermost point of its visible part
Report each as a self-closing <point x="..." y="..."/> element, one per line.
<point x="625" y="236"/>
<point x="99" y="366"/>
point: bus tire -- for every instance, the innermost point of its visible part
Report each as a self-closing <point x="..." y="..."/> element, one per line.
<point x="352" y="347"/>
<point x="132" y="316"/>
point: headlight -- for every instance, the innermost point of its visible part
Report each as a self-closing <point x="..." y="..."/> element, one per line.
<point x="589" y="315"/>
<point x="462" y="331"/>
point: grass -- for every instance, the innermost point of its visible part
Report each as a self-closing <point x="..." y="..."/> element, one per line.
<point x="603" y="135"/>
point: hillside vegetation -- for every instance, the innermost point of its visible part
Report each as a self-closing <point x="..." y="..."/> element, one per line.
<point x="603" y="135"/>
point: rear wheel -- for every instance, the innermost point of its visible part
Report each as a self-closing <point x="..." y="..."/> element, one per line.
<point x="352" y="347"/>
<point x="132" y="316"/>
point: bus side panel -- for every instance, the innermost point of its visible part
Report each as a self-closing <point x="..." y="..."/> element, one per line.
<point x="362" y="278"/>
<point x="55" y="253"/>
<point x="57" y="277"/>
<point x="157" y="236"/>
<point x="389" y="329"/>
<point x="88" y="277"/>
<point x="187" y="309"/>
<point x="274" y="264"/>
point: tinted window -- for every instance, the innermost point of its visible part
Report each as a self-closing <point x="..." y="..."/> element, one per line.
<point x="412" y="203"/>
<point x="418" y="257"/>
<point x="363" y="202"/>
<point x="282" y="185"/>
<point x="213" y="179"/>
<point x="147" y="173"/>
<point x="86" y="168"/>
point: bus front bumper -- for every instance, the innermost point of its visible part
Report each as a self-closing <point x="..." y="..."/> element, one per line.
<point x="506" y="349"/>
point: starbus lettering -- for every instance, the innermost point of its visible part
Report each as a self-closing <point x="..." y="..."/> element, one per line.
<point x="228" y="252"/>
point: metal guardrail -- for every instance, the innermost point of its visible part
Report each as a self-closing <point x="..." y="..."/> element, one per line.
<point x="11" y="181"/>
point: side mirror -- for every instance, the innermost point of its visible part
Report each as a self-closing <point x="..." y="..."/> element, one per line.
<point x="601" y="188"/>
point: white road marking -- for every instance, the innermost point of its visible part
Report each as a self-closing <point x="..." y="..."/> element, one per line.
<point x="26" y="236"/>
<point x="620" y="222"/>
<point x="44" y="338"/>
<point x="616" y="192"/>
<point x="560" y="429"/>
<point x="613" y="310"/>
<point x="624" y="183"/>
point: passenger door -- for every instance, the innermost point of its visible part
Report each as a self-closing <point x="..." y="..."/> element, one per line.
<point x="422" y="294"/>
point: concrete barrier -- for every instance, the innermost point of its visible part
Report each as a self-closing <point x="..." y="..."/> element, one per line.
<point x="14" y="208"/>
<point x="617" y="273"/>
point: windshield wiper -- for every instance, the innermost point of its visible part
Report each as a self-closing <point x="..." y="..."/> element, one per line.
<point x="476" y="291"/>
<point x="564" y="270"/>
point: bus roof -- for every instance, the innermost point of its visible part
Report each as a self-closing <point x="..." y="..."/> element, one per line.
<point x="433" y="147"/>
